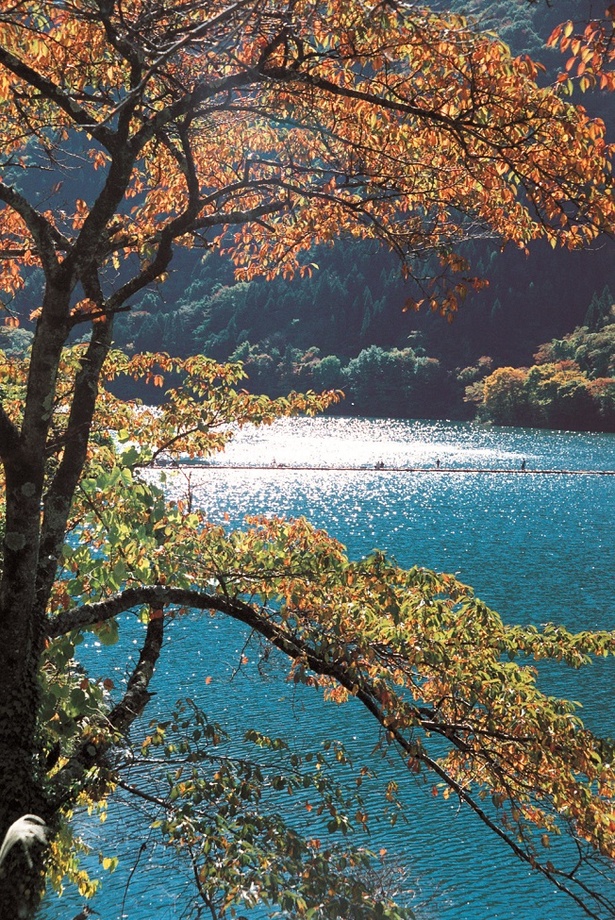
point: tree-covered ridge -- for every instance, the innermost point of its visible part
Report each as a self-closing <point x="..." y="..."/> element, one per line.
<point x="262" y="128"/>
<point x="352" y="297"/>
<point x="571" y="385"/>
<point x="342" y="328"/>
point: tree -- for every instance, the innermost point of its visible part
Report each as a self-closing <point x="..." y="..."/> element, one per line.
<point x="259" y="128"/>
<point x="382" y="382"/>
<point x="328" y="372"/>
<point x="503" y="396"/>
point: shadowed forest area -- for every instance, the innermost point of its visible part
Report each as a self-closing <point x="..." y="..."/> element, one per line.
<point x="281" y="141"/>
<point x="343" y="324"/>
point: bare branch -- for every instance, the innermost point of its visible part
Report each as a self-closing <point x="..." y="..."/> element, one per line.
<point x="39" y="227"/>
<point x="119" y="720"/>
<point x="52" y="91"/>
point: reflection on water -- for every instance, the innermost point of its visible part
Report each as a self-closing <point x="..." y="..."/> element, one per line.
<point x="518" y="539"/>
<point x="342" y="442"/>
<point x="536" y="548"/>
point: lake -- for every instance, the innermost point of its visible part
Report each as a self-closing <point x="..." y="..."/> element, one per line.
<point x="537" y="546"/>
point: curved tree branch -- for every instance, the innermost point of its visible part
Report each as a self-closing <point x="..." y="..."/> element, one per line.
<point x="41" y="230"/>
<point x="344" y="673"/>
<point x="181" y="225"/>
<point x="52" y="91"/>
<point x="92" y="752"/>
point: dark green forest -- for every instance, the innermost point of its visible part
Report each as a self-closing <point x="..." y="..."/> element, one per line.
<point x="342" y="325"/>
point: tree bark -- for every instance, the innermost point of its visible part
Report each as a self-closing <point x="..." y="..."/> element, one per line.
<point x="21" y="619"/>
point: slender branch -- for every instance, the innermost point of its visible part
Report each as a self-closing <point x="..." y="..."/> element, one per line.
<point x="288" y="75"/>
<point x="146" y="796"/>
<point x="122" y="46"/>
<point x="240" y="217"/>
<point x="137" y="693"/>
<point x="142" y="850"/>
<point x="52" y="91"/>
<point x="128" y="51"/>
<point x="60" y="493"/>
<point x="189" y="103"/>
<point x="184" y="224"/>
<point x="523" y="855"/>
<point x="95" y="229"/>
<point x="39" y="227"/>
<point x="119" y="720"/>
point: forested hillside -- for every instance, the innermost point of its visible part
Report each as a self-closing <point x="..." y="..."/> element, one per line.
<point x="343" y="323"/>
<point x="345" y="326"/>
<point x="570" y="385"/>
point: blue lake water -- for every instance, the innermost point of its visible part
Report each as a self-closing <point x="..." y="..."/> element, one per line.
<point x="536" y="547"/>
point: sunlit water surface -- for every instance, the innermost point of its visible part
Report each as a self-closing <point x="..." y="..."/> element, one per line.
<point x="536" y="547"/>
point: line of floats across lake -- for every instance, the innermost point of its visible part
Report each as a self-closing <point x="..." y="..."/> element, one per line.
<point x="382" y="468"/>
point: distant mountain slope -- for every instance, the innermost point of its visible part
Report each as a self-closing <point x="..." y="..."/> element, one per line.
<point x="355" y="295"/>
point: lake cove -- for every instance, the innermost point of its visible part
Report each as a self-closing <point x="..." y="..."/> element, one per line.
<point x="536" y="547"/>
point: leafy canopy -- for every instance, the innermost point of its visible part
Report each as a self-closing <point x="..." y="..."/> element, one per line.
<point x="263" y="127"/>
<point x="591" y="52"/>
<point x="258" y="128"/>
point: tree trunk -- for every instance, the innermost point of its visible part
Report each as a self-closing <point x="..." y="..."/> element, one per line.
<point x="21" y="874"/>
<point x="21" y="791"/>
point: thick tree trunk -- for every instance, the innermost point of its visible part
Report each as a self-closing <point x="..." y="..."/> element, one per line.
<point x="21" y="874"/>
<point x="21" y="791"/>
<point x="21" y="633"/>
<point x="20" y="638"/>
